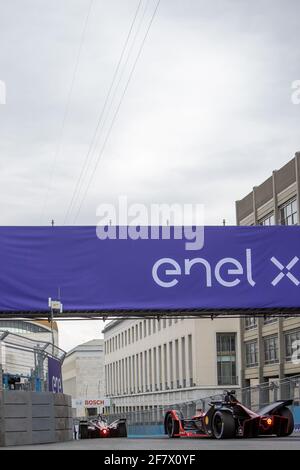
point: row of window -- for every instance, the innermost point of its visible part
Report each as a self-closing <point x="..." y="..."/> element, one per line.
<point x="287" y="215"/>
<point x="20" y="326"/>
<point x="169" y="367"/>
<point x="251" y="322"/>
<point x="271" y="352"/>
<point x="137" y="332"/>
<point x="165" y="367"/>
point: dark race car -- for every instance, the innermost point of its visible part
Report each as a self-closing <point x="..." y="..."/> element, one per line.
<point x="99" y="427"/>
<point x="228" y="418"/>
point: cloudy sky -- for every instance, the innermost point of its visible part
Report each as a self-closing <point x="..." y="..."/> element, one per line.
<point x="207" y="113"/>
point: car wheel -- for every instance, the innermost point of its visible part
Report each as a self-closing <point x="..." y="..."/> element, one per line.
<point x="286" y="413"/>
<point x="83" y="431"/>
<point x="172" y="427"/>
<point x="122" y="430"/>
<point x="223" y="425"/>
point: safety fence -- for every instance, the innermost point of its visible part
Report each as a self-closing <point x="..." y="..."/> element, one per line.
<point x="254" y="397"/>
<point x="24" y="362"/>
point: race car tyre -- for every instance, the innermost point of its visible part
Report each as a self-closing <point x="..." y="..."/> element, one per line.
<point x="122" y="430"/>
<point x="286" y="413"/>
<point x="83" y="431"/>
<point x="223" y="425"/>
<point x="172" y="427"/>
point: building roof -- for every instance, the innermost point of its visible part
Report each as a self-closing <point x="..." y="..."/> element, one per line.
<point x="44" y="323"/>
<point x="112" y="324"/>
<point x="94" y="343"/>
<point x="284" y="177"/>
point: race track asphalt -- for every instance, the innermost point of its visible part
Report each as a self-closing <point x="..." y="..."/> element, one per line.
<point x="165" y="444"/>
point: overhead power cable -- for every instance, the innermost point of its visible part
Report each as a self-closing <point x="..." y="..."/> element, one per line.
<point x="84" y="167"/>
<point x="66" y="111"/>
<point x="116" y="112"/>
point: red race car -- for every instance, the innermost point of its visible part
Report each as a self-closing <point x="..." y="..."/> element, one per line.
<point x="228" y="418"/>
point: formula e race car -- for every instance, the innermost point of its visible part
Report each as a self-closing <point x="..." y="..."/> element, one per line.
<point x="228" y="418"/>
<point x="98" y="427"/>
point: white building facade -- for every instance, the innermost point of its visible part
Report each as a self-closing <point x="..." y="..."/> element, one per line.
<point x="36" y="330"/>
<point x="83" y="378"/>
<point x="149" y="363"/>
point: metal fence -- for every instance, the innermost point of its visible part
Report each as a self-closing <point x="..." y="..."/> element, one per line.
<point x="24" y="362"/>
<point x="253" y="397"/>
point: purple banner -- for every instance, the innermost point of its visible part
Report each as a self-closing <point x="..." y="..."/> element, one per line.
<point x="55" y="383"/>
<point x="237" y="268"/>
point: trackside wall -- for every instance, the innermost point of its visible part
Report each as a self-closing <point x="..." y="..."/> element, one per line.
<point x="34" y="418"/>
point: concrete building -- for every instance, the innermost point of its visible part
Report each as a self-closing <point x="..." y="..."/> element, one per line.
<point x="37" y="330"/>
<point x="161" y="362"/>
<point x="83" y="378"/>
<point x="267" y="343"/>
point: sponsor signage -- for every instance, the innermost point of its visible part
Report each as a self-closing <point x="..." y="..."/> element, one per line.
<point x="95" y="402"/>
<point x="231" y="268"/>
<point x="90" y="402"/>
<point x="54" y="376"/>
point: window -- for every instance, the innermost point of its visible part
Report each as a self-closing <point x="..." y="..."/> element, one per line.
<point x="145" y="328"/>
<point x="190" y="358"/>
<point x="292" y="344"/>
<point x="136" y="332"/>
<point x="269" y="319"/>
<point x="171" y="365"/>
<point x="159" y="368"/>
<point x="226" y="358"/>
<point x="268" y="220"/>
<point x="177" y="363"/>
<point x="141" y="330"/>
<point x="250" y="323"/>
<point x="165" y="367"/>
<point x="251" y="354"/>
<point x="155" y="369"/>
<point x="271" y="349"/>
<point x="288" y="213"/>
<point x="183" y="357"/>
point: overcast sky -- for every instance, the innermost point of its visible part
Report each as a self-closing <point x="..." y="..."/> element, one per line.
<point x="207" y="114"/>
